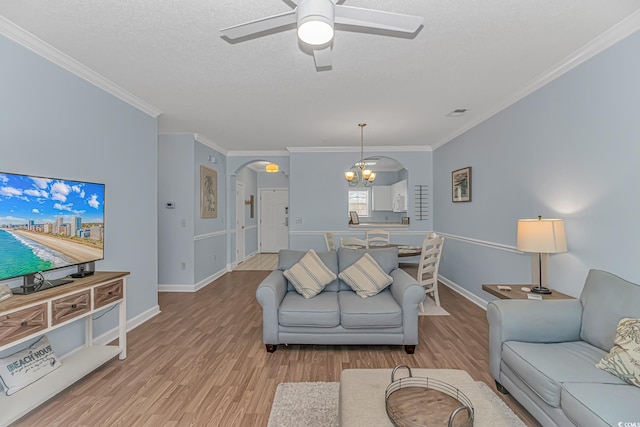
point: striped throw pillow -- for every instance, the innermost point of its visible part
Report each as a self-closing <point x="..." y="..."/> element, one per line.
<point x="309" y="276"/>
<point x="366" y="277"/>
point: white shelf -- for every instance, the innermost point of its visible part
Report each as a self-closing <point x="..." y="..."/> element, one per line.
<point x="74" y="367"/>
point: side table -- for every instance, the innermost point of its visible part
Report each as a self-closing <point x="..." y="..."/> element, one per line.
<point x="517" y="293"/>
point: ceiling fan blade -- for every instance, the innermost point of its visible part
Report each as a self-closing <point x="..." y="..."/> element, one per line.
<point x="322" y="57"/>
<point x="260" y="25"/>
<point x="377" y="19"/>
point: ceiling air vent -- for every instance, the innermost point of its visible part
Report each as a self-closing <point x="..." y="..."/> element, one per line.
<point x="457" y="112"/>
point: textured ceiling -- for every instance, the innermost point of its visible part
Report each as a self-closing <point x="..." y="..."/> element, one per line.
<point x="265" y="94"/>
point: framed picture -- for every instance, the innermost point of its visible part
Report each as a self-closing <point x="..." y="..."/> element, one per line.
<point x="353" y="215"/>
<point x="461" y="185"/>
<point x="208" y="192"/>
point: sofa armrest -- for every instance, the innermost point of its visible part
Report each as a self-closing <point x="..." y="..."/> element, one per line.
<point x="530" y="321"/>
<point x="270" y="294"/>
<point x="409" y="294"/>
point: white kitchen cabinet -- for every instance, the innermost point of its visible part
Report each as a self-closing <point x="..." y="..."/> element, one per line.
<point x="382" y="200"/>
<point x="399" y="196"/>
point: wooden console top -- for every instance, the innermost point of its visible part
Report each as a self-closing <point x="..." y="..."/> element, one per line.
<point x="17" y="301"/>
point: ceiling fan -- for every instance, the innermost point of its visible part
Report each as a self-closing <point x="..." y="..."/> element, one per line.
<point x="315" y="20"/>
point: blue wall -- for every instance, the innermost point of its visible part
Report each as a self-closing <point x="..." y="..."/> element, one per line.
<point x="56" y="124"/>
<point x="184" y="237"/>
<point x="569" y="150"/>
<point x="318" y="194"/>
<point x="176" y="225"/>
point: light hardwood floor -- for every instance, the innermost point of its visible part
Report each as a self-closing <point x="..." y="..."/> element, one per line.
<point x="202" y="362"/>
<point x="259" y="262"/>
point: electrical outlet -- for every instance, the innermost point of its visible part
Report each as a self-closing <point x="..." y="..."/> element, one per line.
<point x="215" y="256"/>
<point x="183" y="265"/>
<point x="183" y="222"/>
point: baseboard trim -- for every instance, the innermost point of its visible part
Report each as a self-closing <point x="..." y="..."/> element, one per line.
<point x="195" y="287"/>
<point x="132" y="323"/>
<point x="204" y="282"/>
<point x="462" y="291"/>
<point x="235" y="263"/>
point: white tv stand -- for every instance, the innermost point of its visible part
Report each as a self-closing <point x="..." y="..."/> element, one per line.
<point x="24" y="317"/>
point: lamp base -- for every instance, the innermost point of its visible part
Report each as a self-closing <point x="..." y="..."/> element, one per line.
<point x="540" y="290"/>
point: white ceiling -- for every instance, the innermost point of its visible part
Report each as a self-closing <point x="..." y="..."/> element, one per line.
<point x="265" y="93"/>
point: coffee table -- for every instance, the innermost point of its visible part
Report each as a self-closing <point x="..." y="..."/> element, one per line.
<point x="361" y="402"/>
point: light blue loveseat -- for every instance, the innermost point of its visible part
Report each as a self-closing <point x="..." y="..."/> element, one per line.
<point x="337" y="315"/>
<point x="544" y="353"/>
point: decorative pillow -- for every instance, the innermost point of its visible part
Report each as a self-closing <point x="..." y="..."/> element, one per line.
<point x="366" y="277"/>
<point x="624" y="358"/>
<point x="309" y="276"/>
<point x="27" y="366"/>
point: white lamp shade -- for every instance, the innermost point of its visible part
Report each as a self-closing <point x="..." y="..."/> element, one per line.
<point x="541" y="235"/>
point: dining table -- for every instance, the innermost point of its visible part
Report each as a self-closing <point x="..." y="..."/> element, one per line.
<point x="403" y="249"/>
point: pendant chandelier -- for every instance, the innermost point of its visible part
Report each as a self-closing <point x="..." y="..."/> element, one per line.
<point x="360" y="172"/>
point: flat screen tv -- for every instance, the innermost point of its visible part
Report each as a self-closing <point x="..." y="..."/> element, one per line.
<point x="46" y="224"/>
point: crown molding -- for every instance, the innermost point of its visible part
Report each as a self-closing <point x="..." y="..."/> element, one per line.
<point x="26" y="39"/>
<point x="249" y="153"/>
<point x="613" y="35"/>
<point x="351" y="149"/>
<point x="209" y="143"/>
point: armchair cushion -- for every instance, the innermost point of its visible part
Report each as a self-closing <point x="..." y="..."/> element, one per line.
<point x="383" y="311"/>
<point x="606" y="299"/>
<point x="545" y="367"/>
<point x="321" y="311"/>
<point x="623" y="360"/>
<point x="366" y="277"/>
<point x="310" y="275"/>
<point x="592" y="404"/>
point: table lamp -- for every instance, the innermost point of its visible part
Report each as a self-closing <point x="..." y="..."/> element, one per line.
<point x="541" y="236"/>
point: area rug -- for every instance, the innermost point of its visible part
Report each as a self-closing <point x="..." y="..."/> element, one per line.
<point x="316" y="405"/>
<point x="305" y="404"/>
<point x="431" y="309"/>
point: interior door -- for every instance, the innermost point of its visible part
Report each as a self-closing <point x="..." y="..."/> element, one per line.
<point x="274" y="219"/>
<point x="240" y="222"/>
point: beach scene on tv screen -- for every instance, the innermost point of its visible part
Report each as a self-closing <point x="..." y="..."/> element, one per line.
<point x="48" y="223"/>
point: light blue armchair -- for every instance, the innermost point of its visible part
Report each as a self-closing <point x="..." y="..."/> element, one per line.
<point x="544" y="354"/>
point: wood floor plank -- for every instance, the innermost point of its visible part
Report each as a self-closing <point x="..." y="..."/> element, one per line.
<point x="202" y="362"/>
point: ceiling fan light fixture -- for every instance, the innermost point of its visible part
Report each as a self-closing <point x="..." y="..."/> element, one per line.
<point x="315" y="21"/>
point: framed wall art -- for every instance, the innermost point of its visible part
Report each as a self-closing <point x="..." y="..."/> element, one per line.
<point x="353" y="218"/>
<point x="208" y="192"/>
<point x="461" y="185"/>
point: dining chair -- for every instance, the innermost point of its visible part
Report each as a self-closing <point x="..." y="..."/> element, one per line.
<point x="328" y="241"/>
<point x="353" y="243"/>
<point x="428" y="266"/>
<point x="377" y="237"/>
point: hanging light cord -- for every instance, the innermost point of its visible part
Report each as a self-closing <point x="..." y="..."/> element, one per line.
<point x="362" y="125"/>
